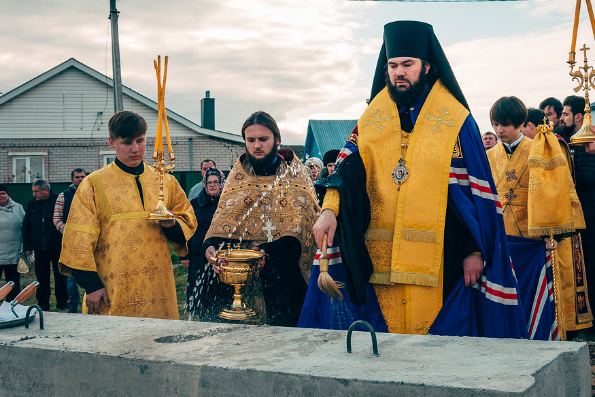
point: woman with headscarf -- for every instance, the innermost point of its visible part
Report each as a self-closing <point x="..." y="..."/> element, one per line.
<point x="314" y="164"/>
<point x="205" y="294"/>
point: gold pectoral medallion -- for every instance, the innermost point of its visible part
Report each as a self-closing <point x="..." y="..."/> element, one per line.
<point x="400" y="172"/>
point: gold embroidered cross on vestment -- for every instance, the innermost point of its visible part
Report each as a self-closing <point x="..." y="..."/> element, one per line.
<point x="377" y="114"/>
<point x="510" y="195"/>
<point x="441" y="119"/>
<point x="510" y="175"/>
<point x="533" y="183"/>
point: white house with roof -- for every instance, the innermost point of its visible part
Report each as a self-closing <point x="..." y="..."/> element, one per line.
<point x="58" y="121"/>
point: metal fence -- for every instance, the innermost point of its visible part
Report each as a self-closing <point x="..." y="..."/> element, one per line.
<point x="22" y="193"/>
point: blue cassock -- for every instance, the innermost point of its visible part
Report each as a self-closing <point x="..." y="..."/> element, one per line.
<point x="492" y="308"/>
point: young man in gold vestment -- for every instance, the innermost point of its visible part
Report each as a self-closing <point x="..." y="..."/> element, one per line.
<point x="515" y="179"/>
<point x="116" y="254"/>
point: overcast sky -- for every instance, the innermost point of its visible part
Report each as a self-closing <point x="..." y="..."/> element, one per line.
<point x="297" y="60"/>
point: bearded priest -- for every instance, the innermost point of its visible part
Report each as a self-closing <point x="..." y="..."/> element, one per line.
<point x="269" y="204"/>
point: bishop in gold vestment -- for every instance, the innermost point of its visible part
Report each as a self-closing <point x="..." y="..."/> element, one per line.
<point x="410" y="201"/>
<point x="108" y="233"/>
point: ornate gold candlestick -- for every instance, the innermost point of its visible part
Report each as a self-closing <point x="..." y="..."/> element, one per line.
<point x="161" y="212"/>
<point x="584" y="78"/>
<point x="242" y="269"/>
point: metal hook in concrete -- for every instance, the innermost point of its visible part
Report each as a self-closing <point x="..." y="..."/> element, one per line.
<point x="40" y="316"/>
<point x="370" y="329"/>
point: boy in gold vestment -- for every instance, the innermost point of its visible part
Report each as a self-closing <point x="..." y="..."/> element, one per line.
<point x="515" y="179"/>
<point x="116" y="254"/>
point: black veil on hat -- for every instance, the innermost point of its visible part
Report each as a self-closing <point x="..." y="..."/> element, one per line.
<point x="417" y="40"/>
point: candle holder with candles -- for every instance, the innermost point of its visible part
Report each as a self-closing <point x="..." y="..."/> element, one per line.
<point x="161" y="212"/>
<point x="585" y="76"/>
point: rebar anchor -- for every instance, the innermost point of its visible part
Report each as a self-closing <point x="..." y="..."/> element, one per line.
<point x="40" y="316"/>
<point x="370" y="329"/>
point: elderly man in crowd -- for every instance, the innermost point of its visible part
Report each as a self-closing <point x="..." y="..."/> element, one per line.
<point x="41" y="237"/>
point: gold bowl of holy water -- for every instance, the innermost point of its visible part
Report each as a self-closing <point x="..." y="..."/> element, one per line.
<point x="242" y="269"/>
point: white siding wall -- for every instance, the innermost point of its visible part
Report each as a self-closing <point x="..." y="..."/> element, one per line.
<point x="68" y="106"/>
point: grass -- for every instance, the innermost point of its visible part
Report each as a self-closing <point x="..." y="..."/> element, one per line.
<point x="181" y="277"/>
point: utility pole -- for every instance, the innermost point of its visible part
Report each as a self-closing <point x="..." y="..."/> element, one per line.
<point x="118" y="99"/>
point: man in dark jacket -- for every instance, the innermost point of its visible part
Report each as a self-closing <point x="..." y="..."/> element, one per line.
<point x="61" y="210"/>
<point x="41" y="236"/>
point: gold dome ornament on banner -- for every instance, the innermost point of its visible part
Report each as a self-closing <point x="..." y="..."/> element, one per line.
<point x="584" y="78"/>
<point x="161" y="212"/>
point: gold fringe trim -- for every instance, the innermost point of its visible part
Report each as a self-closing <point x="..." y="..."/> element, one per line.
<point x="540" y="231"/>
<point x="547" y="164"/>
<point x="424" y="236"/>
<point x="426" y="280"/>
<point x="379" y="235"/>
<point x="380" y="278"/>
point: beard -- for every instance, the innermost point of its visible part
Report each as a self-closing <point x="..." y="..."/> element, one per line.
<point x="411" y="94"/>
<point x="267" y="160"/>
<point x="567" y="131"/>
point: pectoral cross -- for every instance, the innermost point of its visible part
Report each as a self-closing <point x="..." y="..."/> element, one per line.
<point x="269" y="227"/>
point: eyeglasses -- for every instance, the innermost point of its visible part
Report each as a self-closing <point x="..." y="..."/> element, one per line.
<point x="214" y="183"/>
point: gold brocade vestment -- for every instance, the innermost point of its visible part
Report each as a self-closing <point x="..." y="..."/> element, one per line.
<point x="513" y="181"/>
<point x="108" y="232"/>
<point x="286" y="199"/>
<point x="406" y="233"/>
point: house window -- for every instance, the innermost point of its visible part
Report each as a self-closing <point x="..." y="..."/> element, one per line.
<point x="27" y="169"/>
<point x="108" y="157"/>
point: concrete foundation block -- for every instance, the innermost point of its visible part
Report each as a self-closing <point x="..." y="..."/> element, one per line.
<point x="119" y="356"/>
